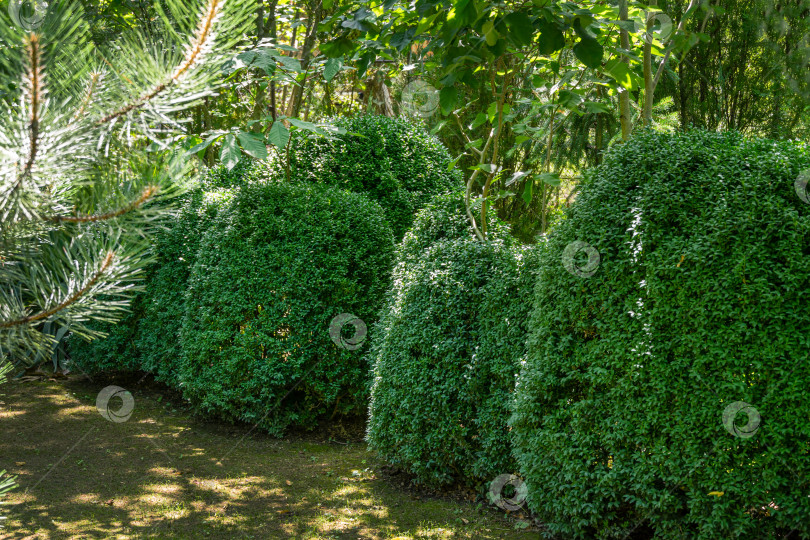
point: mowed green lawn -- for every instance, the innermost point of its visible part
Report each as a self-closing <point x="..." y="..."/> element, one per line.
<point x="165" y="474"/>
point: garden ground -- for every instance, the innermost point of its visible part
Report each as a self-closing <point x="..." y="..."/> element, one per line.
<point x="165" y="474"/>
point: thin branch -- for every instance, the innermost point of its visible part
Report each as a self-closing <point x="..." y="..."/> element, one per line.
<point x="202" y="37"/>
<point x="91" y="88"/>
<point x="33" y="82"/>
<point x="147" y="194"/>
<point x="108" y="260"/>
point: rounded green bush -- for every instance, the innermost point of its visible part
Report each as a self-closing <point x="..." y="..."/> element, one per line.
<point x="696" y="309"/>
<point x="271" y="275"/>
<point x="158" y="339"/>
<point x="396" y="163"/>
<point x="447" y="351"/>
<point x="444" y="218"/>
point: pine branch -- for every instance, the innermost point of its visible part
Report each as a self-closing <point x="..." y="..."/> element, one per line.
<point x="108" y="260"/>
<point x="88" y="97"/>
<point x="34" y="87"/>
<point x="146" y="195"/>
<point x="202" y="40"/>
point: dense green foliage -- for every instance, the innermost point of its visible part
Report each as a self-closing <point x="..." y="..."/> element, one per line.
<point x="700" y="302"/>
<point x="446" y="351"/>
<point x="442" y="218"/>
<point x="392" y="160"/>
<point x="148" y="337"/>
<point x="270" y="276"/>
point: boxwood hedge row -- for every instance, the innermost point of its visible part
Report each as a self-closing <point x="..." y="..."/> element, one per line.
<point x="393" y="161"/>
<point x="447" y="350"/>
<point x="665" y="387"/>
<point x="271" y="274"/>
<point x="147" y="338"/>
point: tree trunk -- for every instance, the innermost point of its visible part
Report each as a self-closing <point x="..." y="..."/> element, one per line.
<point x="306" y="57"/>
<point x="649" y="85"/>
<point x="624" y="96"/>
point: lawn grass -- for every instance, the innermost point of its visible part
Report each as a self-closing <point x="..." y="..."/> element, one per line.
<point x="166" y="474"/>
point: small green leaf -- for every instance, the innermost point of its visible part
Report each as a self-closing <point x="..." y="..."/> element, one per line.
<point x="229" y="156"/>
<point x="279" y="135"/>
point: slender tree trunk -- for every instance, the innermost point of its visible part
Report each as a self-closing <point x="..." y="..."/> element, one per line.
<point x="599" y="131"/>
<point x="306" y="57"/>
<point x="624" y="96"/>
<point x="649" y="85"/>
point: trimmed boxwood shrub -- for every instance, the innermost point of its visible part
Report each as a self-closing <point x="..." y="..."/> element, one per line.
<point x="271" y="274"/>
<point x="146" y="338"/>
<point x="447" y="350"/>
<point x="443" y="218"/>
<point x="699" y="306"/>
<point x="158" y="340"/>
<point x="396" y="163"/>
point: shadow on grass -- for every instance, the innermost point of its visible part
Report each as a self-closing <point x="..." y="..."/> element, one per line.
<point x="161" y="475"/>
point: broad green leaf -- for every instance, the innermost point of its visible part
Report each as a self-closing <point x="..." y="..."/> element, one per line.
<point x="279" y="135"/>
<point x="479" y="120"/>
<point x="229" y="156"/>
<point x="527" y="192"/>
<point x="331" y="68"/>
<point x="205" y="144"/>
<point x="589" y="52"/>
<point x="568" y="99"/>
<point x="551" y="38"/>
<point x="447" y="99"/>
<point x="515" y="177"/>
<point x="520" y="28"/>
<point x="619" y="71"/>
<point x="337" y="47"/>
<point x="490" y="34"/>
<point x="552" y="179"/>
<point x="595" y="107"/>
<point x="492" y="111"/>
<point x="252" y="144"/>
